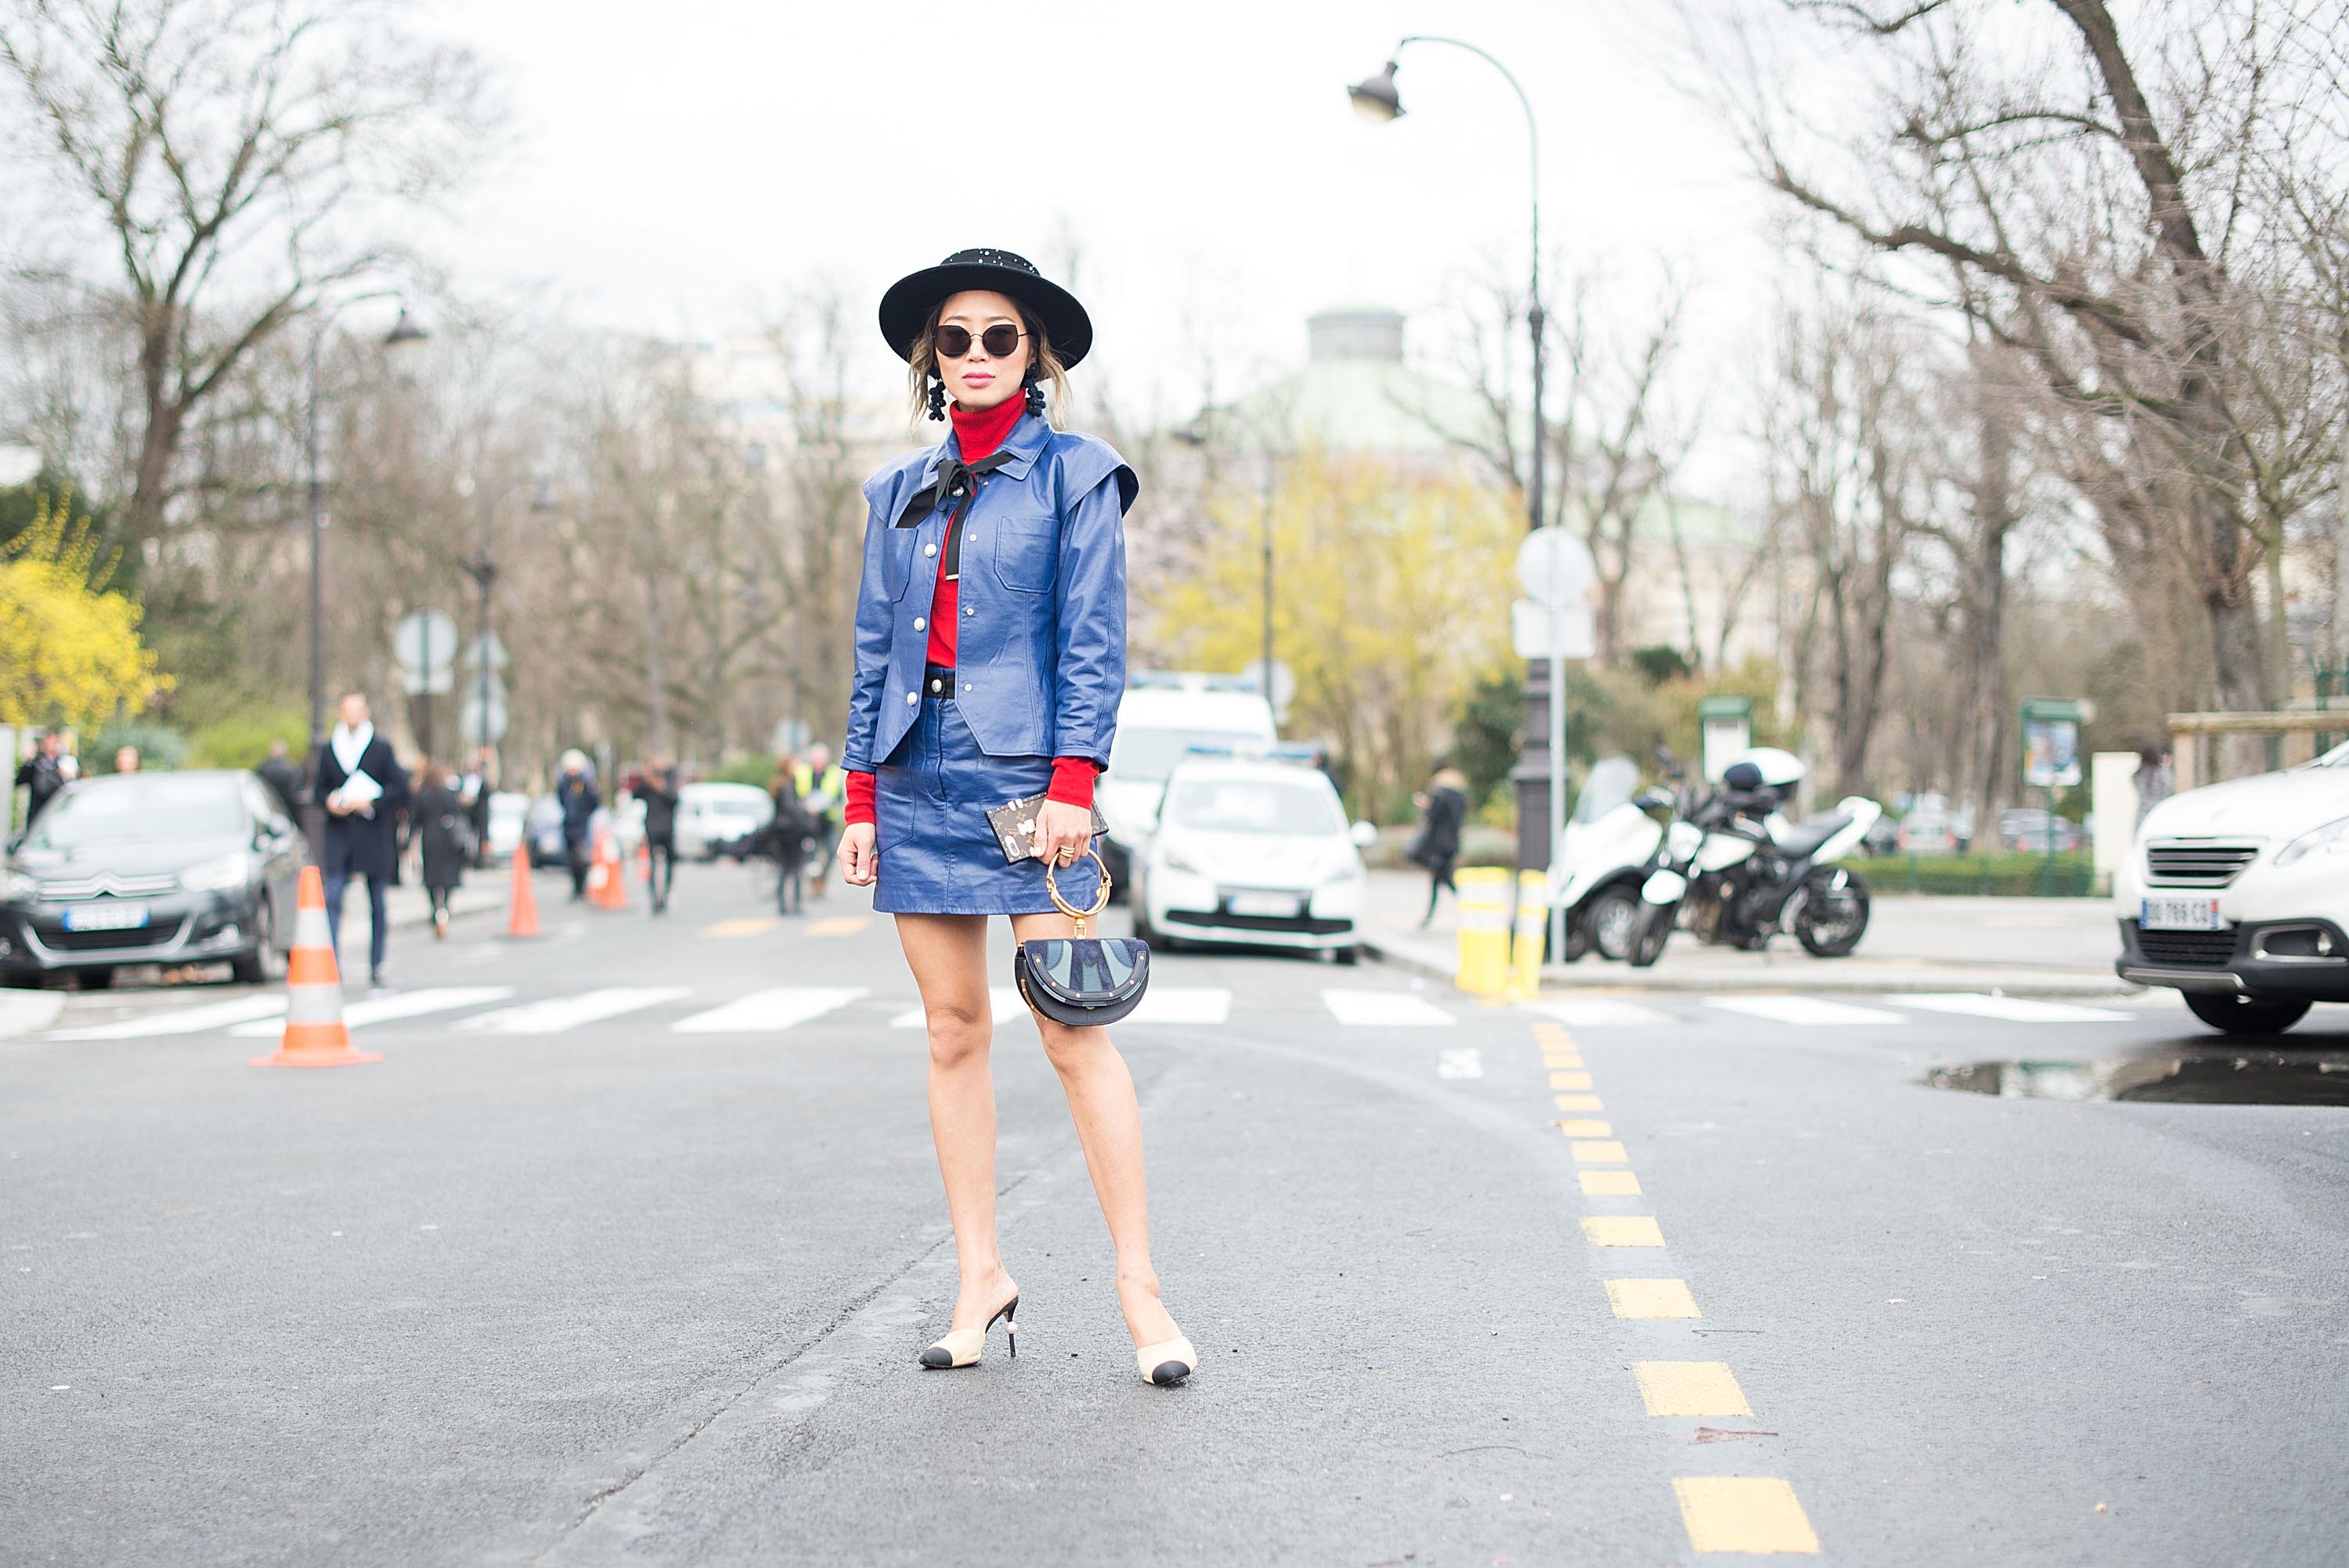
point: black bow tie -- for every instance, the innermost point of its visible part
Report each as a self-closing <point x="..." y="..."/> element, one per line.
<point x="957" y="480"/>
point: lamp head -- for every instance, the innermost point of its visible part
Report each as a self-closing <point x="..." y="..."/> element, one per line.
<point x="404" y="331"/>
<point x="1376" y="98"/>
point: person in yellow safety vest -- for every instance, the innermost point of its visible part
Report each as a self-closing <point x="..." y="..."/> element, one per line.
<point x="823" y="789"/>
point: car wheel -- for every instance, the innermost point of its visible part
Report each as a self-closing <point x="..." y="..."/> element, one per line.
<point x="264" y="964"/>
<point x="99" y="979"/>
<point x="24" y="979"/>
<point x="1613" y="922"/>
<point x="2244" y="1015"/>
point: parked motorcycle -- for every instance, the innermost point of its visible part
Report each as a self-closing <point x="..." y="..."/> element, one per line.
<point x="1610" y="848"/>
<point x="1739" y="873"/>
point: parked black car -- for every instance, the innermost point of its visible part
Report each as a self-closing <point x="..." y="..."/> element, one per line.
<point x="151" y="868"/>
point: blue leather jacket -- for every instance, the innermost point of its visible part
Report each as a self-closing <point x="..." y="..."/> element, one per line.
<point x="1041" y="653"/>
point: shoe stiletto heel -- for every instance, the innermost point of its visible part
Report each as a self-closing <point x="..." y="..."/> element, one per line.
<point x="961" y="1346"/>
<point x="1166" y="1363"/>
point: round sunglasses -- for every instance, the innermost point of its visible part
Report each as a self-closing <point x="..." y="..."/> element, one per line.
<point x="999" y="341"/>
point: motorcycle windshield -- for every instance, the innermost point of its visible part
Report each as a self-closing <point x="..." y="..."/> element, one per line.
<point x="1610" y="783"/>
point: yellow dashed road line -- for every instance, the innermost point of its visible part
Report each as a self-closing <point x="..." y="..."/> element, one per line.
<point x="1622" y="1231"/>
<point x="1599" y="1153"/>
<point x="1580" y="1102"/>
<point x="840" y="926"/>
<point x="1575" y="1128"/>
<point x="1744" y="1513"/>
<point x="1569" y="1081"/>
<point x="1651" y="1298"/>
<point x="750" y="925"/>
<point x="1689" y="1388"/>
<point x="1609" y="1184"/>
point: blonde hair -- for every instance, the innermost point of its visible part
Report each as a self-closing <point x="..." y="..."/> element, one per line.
<point x="922" y="361"/>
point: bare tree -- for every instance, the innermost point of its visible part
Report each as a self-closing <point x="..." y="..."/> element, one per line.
<point x="233" y="153"/>
<point x="2087" y="187"/>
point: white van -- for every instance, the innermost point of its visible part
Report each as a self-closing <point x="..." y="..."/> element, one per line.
<point x="1162" y="717"/>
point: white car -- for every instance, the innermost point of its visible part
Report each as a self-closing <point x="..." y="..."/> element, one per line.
<point x="509" y="808"/>
<point x="714" y="818"/>
<point x="2237" y="895"/>
<point x="1252" y="853"/>
<point x="1160" y="719"/>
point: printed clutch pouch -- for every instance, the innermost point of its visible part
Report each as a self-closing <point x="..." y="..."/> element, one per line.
<point x="1015" y="827"/>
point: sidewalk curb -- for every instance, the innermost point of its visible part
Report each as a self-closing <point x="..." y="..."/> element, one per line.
<point x="28" y="1012"/>
<point x="1597" y="974"/>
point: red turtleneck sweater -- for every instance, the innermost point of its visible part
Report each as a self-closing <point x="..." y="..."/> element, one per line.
<point x="978" y="435"/>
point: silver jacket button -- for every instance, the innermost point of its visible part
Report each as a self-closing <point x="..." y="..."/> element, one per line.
<point x="913" y="699"/>
<point x="970" y="609"/>
<point x="917" y="622"/>
<point x="929" y="550"/>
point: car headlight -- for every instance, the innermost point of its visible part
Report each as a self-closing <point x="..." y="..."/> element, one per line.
<point x="215" y="876"/>
<point x="2333" y="838"/>
<point x="16" y="885"/>
<point x="1177" y="862"/>
<point x="1346" y="871"/>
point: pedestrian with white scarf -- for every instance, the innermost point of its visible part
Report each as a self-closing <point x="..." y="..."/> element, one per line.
<point x="365" y="790"/>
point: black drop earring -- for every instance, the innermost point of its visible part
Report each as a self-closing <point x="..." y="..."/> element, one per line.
<point x="937" y="397"/>
<point x="1035" y="394"/>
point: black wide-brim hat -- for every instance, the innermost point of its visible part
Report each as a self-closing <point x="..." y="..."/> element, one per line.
<point x="906" y="308"/>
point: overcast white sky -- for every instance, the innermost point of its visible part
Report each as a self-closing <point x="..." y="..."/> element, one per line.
<point x="677" y="164"/>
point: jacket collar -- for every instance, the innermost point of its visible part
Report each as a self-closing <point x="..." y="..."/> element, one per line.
<point x="1020" y="449"/>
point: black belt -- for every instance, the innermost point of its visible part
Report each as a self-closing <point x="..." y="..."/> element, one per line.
<point x="938" y="680"/>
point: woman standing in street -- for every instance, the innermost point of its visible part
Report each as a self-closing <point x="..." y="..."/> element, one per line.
<point x="437" y="823"/>
<point x="1443" y="808"/>
<point x="990" y="655"/>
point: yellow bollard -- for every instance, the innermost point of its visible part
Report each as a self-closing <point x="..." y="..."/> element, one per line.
<point x="1533" y="928"/>
<point x="1484" y="931"/>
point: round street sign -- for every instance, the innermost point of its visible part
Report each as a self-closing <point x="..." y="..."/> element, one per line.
<point x="425" y="640"/>
<point x="468" y="718"/>
<point x="1554" y="567"/>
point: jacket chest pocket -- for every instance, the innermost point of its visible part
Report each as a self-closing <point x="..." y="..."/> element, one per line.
<point x="1027" y="552"/>
<point x="900" y="552"/>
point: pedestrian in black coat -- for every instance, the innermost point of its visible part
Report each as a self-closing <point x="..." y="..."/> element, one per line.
<point x="438" y="826"/>
<point x="42" y="775"/>
<point x="790" y="838"/>
<point x="657" y="791"/>
<point x="575" y="792"/>
<point x="1442" y="808"/>
<point x="364" y="789"/>
<point x="285" y="779"/>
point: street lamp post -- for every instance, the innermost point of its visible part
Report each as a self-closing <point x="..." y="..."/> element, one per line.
<point x="482" y="566"/>
<point x="403" y="332"/>
<point x="1376" y="98"/>
<point x="1196" y="434"/>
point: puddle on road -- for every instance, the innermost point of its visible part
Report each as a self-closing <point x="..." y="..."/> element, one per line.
<point x="2207" y="1078"/>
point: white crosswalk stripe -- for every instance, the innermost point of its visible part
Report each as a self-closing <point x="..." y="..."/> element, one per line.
<point x="555" y="1015"/>
<point x="2014" y="1009"/>
<point x="1398" y="1009"/>
<point x="402" y="1005"/>
<point x="769" y="1012"/>
<point x="184" y="1021"/>
<point x="1600" y="1012"/>
<point x="1003" y="1001"/>
<point x="1463" y="1062"/>
<point x="1183" y="1005"/>
<point x="1806" y="1010"/>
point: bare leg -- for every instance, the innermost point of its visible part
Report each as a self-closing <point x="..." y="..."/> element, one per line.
<point x="949" y="956"/>
<point x="1109" y="1126"/>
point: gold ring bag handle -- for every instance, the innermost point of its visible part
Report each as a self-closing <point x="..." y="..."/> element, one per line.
<point x="1101" y="902"/>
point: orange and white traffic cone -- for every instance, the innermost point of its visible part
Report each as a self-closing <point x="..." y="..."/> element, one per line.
<point x="315" y="1035"/>
<point x="523" y="919"/>
<point x="610" y="884"/>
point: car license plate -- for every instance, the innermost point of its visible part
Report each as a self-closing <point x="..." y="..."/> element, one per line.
<point x="107" y="916"/>
<point x="2179" y="915"/>
<point x="1270" y="905"/>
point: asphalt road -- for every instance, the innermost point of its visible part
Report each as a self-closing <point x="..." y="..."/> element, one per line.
<point x="546" y="1286"/>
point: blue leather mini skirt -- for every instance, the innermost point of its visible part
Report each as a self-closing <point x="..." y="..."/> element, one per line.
<point x="937" y="854"/>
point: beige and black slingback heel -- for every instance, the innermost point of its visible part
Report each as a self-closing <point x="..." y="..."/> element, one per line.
<point x="1166" y="1363"/>
<point x="961" y="1346"/>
